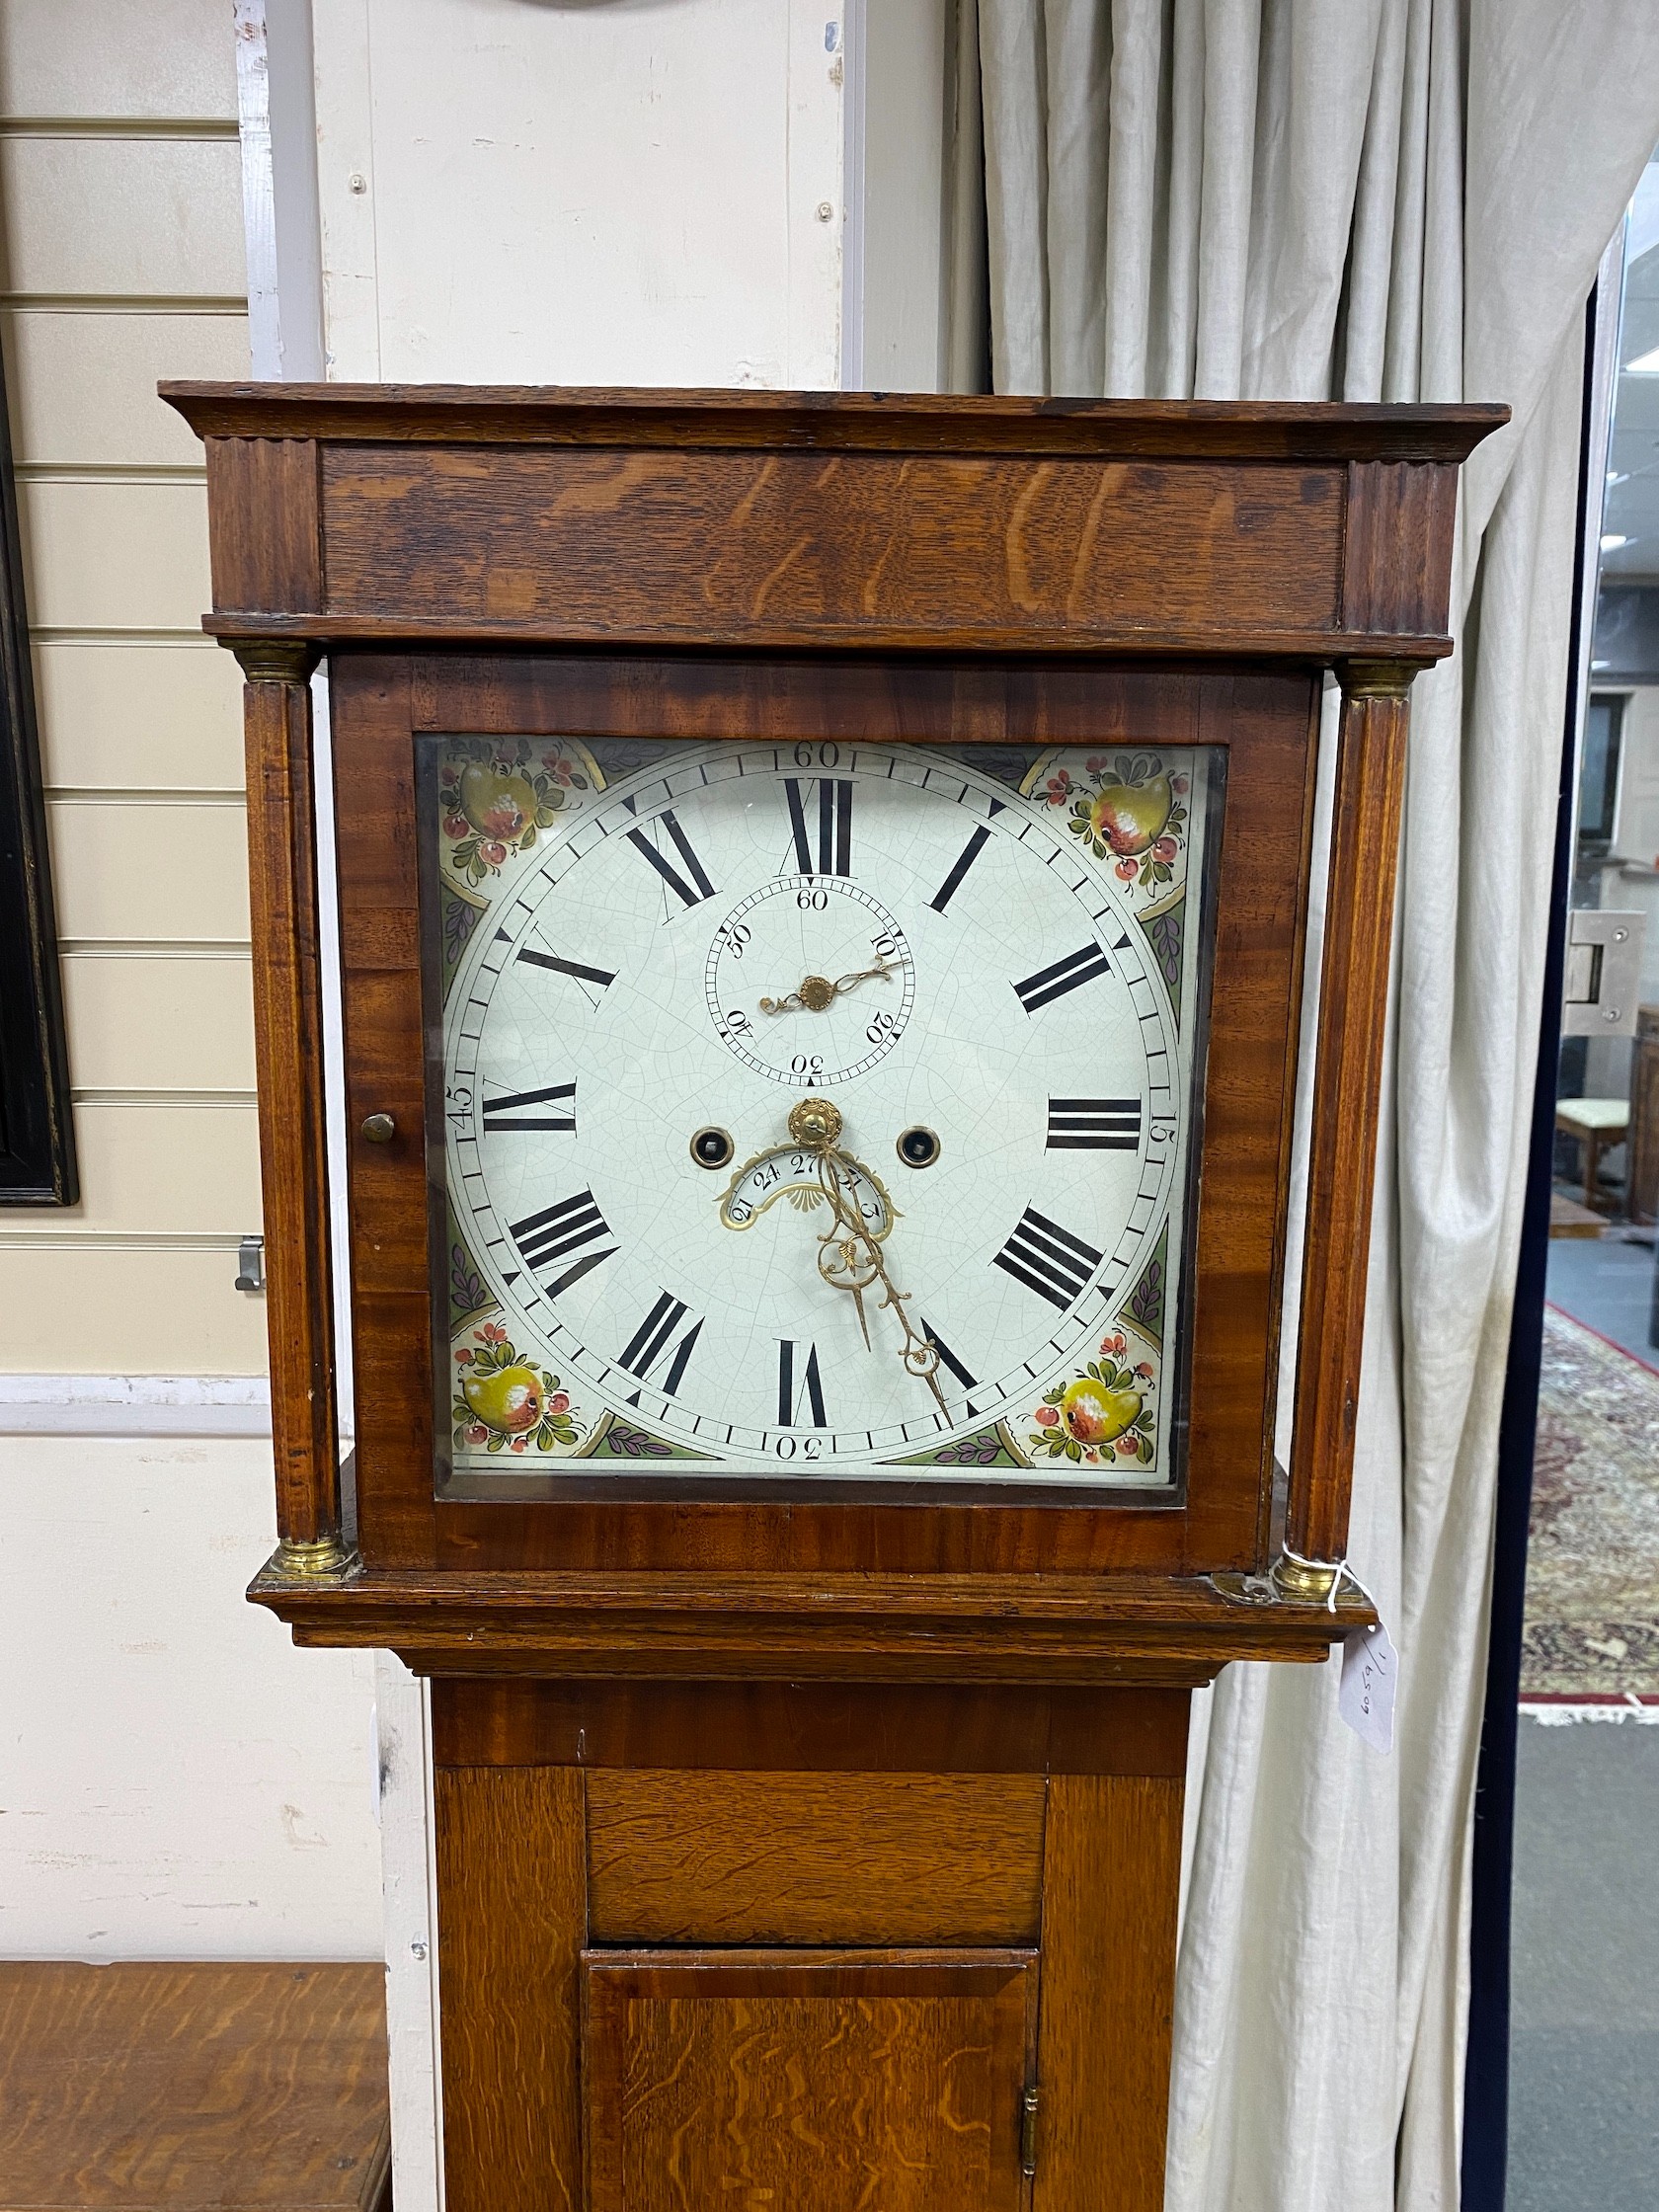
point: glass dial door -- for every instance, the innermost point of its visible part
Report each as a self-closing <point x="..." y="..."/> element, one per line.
<point x="815" y="1110"/>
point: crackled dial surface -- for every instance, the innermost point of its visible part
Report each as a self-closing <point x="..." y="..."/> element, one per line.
<point x="648" y="955"/>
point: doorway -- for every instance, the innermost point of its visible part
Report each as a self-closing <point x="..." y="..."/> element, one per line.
<point x="1584" y="2043"/>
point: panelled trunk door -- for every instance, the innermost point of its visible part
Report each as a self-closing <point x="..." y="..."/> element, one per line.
<point x="807" y="2081"/>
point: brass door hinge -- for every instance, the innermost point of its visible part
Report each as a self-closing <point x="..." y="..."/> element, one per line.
<point x="1027" y="2132"/>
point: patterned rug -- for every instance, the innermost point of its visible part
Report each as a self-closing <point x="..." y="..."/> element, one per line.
<point x="1593" y="1565"/>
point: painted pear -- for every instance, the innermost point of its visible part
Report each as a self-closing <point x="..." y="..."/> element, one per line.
<point x="508" y="1401"/>
<point x="1128" y="818"/>
<point x="1094" y="1414"/>
<point x="498" y="803"/>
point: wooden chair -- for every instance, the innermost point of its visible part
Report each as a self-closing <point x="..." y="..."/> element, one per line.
<point x="1596" y="1123"/>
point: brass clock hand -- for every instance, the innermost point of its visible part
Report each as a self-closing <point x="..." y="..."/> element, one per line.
<point x="848" y="1257"/>
<point x="817" y="993"/>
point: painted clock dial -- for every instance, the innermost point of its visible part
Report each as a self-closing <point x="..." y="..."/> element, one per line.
<point x="656" y="959"/>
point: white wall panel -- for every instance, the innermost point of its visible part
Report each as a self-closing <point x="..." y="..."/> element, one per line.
<point x="140" y="872"/>
<point x="165" y="1169"/>
<point x="123" y="1310"/>
<point x="117" y="57"/>
<point x="158" y="1024"/>
<point x="82" y="386"/>
<point x="139" y="715"/>
<point x="581" y="194"/>
<point x="115" y="555"/>
<point x="179" y="1783"/>
<point x="159" y="217"/>
<point x="905" y="75"/>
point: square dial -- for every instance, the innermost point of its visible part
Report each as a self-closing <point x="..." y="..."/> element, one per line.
<point x="815" y="1110"/>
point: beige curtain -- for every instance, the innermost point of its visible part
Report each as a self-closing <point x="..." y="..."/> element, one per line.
<point x="1363" y="200"/>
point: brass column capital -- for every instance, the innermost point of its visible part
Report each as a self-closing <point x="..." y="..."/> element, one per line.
<point x="1376" y="680"/>
<point x="274" y="659"/>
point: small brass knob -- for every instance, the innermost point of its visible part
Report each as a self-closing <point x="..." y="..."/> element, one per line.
<point x="379" y="1129"/>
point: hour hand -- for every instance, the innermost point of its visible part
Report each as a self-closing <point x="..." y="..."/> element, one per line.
<point x="816" y="993"/>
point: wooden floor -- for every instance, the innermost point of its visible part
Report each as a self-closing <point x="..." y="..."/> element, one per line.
<point x="142" y="2087"/>
<point x="1568" y="1219"/>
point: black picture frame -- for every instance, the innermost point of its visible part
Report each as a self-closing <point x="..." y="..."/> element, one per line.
<point x="36" y="1128"/>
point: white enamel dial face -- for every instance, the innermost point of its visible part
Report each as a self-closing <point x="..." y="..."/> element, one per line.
<point x="686" y="952"/>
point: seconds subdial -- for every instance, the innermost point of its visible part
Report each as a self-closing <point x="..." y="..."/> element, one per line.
<point x="800" y="930"/>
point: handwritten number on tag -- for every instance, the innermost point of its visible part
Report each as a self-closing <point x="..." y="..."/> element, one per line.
<point x="1365" y="1698"/>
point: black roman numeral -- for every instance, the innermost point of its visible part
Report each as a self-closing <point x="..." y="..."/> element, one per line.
<point x="603" y="977"/>
<point x="1094" y="1125"/>
<point x="947" y="1357"/>
<point x="669" y="874"/>
<point x="965" y="859"/>
<point x="1079" y="967"/>
<point x="651" y="1340"/>
<point x="559" y="1230"/>
<point x="812" y="1388"/>
<point x="502" y="1113"/>
<point x="950" y="1361"/>
<point x="834" y="827"/>
<point x="1047" y="1258"/>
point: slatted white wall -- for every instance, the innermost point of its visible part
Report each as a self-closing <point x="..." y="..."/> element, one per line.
<point x="175" y="1780"/>
<point x="120" y="211"/>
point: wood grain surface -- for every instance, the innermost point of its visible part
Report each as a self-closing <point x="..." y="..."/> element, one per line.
<point x="512" y="1914"/>
<point x="718" y="547"/>
<point x="293" y="1147"/>
<point x="1348" y="1082"/>
<point x="167" y="2088"/>
<point x="876" y="1728"/>
<point x="1097" y="1630"/>
<point x="265" y="523"/>
<point x="1110" y="1882"/>
<point x="814" y="1858"/>
<point x="812" y="2081"/>
<point x="1399" y="523"/>
<point x="385" y="1075"/>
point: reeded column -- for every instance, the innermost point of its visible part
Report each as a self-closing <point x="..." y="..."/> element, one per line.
<point x="293" y="1159"/>
<point x="1347" y="1089"/>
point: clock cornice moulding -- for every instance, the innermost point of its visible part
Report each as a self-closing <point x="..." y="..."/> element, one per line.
<point x="830" y="421"/>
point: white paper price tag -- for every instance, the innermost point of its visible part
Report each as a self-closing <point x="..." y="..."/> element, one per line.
<point x="1365" y="1698"/>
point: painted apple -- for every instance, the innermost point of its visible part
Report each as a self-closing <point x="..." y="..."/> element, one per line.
<point x="1129" y="818"/>
<point x="498" y="803"/>
<point x="508" y="1401"/>
<point x="1094" y="1414"/>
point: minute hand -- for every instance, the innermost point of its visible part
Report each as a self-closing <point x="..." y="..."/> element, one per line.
<point x="849" y="1258"/>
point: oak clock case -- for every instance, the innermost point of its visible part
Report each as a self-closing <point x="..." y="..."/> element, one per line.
<point x="815" y="1117"/>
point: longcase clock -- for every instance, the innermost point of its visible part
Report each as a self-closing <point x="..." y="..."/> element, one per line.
<point x="821" y="899"/>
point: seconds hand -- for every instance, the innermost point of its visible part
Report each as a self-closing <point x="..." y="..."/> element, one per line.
<point x="848" y="1257"/>
<point x="817" y="993"/>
